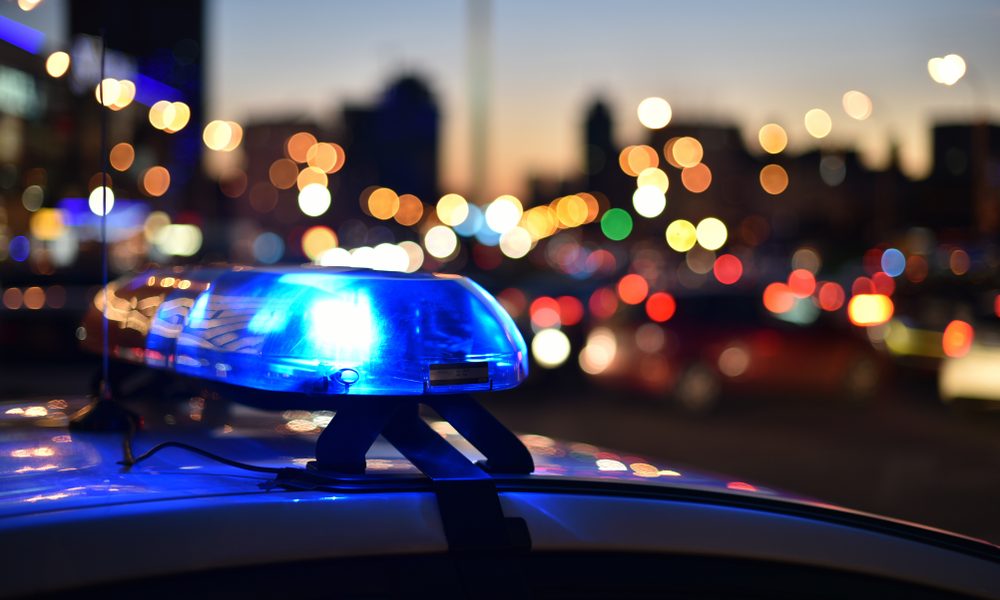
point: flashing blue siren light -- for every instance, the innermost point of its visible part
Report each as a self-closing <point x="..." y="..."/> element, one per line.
<point x="314" y="330"/>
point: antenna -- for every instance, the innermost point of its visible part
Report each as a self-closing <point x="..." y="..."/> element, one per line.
<point x="104" y="413"/>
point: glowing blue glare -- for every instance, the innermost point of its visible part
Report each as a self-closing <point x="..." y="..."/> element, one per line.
<point x="20" y="35"/>
<point x="487" y="236"/>
<point x="19" y="248"/>
<point x="327" y="331"/>
<point x="893" y="262"/>
<point x="268" y="248"/>
<point x="472" y="223"/>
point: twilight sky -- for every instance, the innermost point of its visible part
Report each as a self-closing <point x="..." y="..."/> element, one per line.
<point x="737" y="61"/>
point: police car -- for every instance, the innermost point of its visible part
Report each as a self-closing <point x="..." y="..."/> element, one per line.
<point x="299" y="464"/>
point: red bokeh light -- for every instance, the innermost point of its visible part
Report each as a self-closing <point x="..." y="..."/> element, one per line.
<point x="603" y="303"/>
<point x="545" y="312"/>
<point x="570" y="310"/>
<point x="884" y="283"/>
<point x="831" y="296"/>
<point x="862" y="285"/>
<point x="514" y="301"/>
<point x="728" y="269"/>
<point x="802" y="283"/>
<point x="661" y="306"/>
<point x="916" y="268"/>
<point x="632" y="289"/>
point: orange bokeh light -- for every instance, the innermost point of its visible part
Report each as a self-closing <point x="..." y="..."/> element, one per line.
<point x="696" y="179"/>
<point x="632" y="288"/>
<point x="298" y="146"/>
<point x="957" y="339"/>
<point x="778" y="298"/>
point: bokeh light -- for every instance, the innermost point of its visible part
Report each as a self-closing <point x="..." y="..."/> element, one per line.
<point x="452" y="209"/>
<point x="649" y="201"/>
<point x="47" y="224"/>
<point x="956" y="341"/>
<point x="634" y="159"/>
<point x="222" y="136"/>
<point x="778" y="298"/>
<point x="818" y="123"/>
<point x="441" y="242"/>
<point x="603" y="303"/>
<point x="298" y="145"/>
<point x="774" y="179"/>
<point x="831" y="296"/>
<point x="383" y="203"/>
<point x="311" y="176"/>
<point x="317" y="240"/>
<point x="772" y="138"/>
<point x="283" y="173"/>
<point x="550" y="348"/>
<point x="314" y="200"/>
<point x="101" y="200"/>
<point x="516" y="242"/>
<point x="681" y="235"/>
<point x="728" y="269"/>
<point x="696" y="179"/>
<point x="616" y="224"/>
<point x="652" y="176"/>
<point x="599" y="351"/>
<point x="122" y="156"/>
<point x="857" y="105"/>
<point x="654" y="113"/>
<point x="893" y="262"/>
<point x="156" y="181"/>
<point x="323" y="156"/>
<point x="633" y="288"/>
<point x="411" y="209"/>
<point x="572" y="211"/>
<point x="268" y="248"/>
<point x="57" y="64"/>
<point x="867" y="310"/>
<point x="660" y="307"/>
<point x="711" y="233"/>
<point x="802" y="283"/>
<point x="946" y="70"/>
<point x="504" y="213"/>
<point x="686" y="152"/>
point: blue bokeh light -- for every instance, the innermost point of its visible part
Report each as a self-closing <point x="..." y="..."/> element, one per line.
<point x="332" y="331"/>
<point x="893" y="262"/>
<point x="19" y="248"/>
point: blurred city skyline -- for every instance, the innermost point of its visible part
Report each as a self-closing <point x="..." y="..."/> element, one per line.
<point x="727" y="62"/>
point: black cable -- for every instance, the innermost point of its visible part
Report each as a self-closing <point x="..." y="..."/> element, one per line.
<point x="130" y="460"/>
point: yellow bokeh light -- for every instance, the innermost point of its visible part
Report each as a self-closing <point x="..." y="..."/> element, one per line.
<point x="126" y="94"/>
<point x="696" y="179"/>
<point x="383" y="203"/>
<point x="649" y="201"/>
<point x="452" y="209"/>
<point x="711" y="233"/>
<point x="774" y="179"/>
<point x="772" y="138"/>
<point x="57" y="64"/>
<point x="593" y="206"/>
<point x="818" y="123"/>
<point x="322" y="156"/>
<point x="857" y="105"/>
<point x="106" y="92"/>
<point x="540" y="222"/>
<point x="298" y="146"/>
<point x="681" y="235"/>
<point x="571" y="211"/>
<point x="28" y="5"/>
<point x="411" y="209"/>
<point x="309" y="176"/>
<point x="158" y="113"/>
<point x="654" y="177"/>
<point x="283" y="173"/>
<point x="179" y="117"/>
<point x="654" y="113"/>
<point x="686" y="152"/>
<point x="47" y="224"/>
<point x="156" y="181"/>
<point x="122" y="156"/>
<point x="317" y="240"/>
<point x="946" y="70"/>
<point x="222" y="136"/>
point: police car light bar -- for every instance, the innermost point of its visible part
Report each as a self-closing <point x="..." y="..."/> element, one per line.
<point x="372" y="344"/>
<point x="315" y="331"/>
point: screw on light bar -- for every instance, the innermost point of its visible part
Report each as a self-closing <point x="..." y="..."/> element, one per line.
<point x="315" y="331"/>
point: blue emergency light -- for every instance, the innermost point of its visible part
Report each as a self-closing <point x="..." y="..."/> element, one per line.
<point x="370" y="344"/>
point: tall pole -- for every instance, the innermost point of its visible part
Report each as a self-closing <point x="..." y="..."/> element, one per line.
<point x="479" y="34"/>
